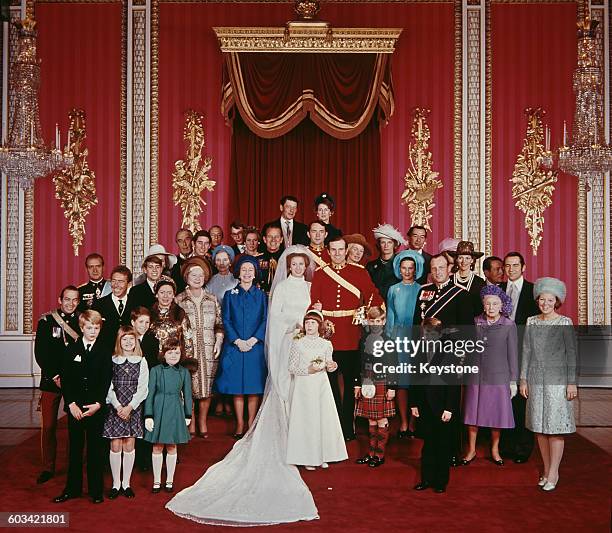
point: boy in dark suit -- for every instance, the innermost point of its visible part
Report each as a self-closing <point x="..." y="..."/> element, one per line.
<point x="85" y="378"/>
<point x="433" y="402"/>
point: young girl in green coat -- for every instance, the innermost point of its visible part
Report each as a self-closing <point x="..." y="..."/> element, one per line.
<point x="168" y="411"/>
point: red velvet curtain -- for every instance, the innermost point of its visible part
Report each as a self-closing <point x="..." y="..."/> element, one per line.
<point x="304" y="124"/>
<point x="305" y="162"/>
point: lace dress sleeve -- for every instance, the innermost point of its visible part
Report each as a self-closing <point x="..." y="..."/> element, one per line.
<point x="296" y="364"/>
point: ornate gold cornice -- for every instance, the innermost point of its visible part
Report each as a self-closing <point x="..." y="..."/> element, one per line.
<point x="154" y="91"/>
<point x="458" y="123"/>
<point x="308" y="39"/>
<point x="123" y="139"/>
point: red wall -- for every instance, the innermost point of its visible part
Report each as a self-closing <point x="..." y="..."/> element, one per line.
<point x="534" y="56"/>
<point x="80" y="50"/>
<point x="423" y="76"/>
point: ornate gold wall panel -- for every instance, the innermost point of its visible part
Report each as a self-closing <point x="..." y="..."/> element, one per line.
<point x="153" y="232"/>
<point x="458" y="123"/>
<point x="124" y="136"/>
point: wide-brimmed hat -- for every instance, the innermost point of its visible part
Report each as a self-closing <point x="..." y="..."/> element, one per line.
<point x="494" y="290"/>
<point x="358" y="238"/>
<point x="449" y="245"/>
<point x="224" y="248"/>
<point x="467" y="248"/>
<point x="324" y="197"/>
<point x="388" y="231"/>
<point x="158" y="249"/>
<point x="418" y="259"/>
<point x="244" y="258"/>
<point x="194" y="262"/>
<point x="549" y="285"/>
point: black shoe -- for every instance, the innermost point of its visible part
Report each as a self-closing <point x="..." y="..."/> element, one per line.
<point x="114" y="493"/>
<point x="97" y="499"/>
<point x="422" y="485"/>
<point x="64" y="496"/>
<point x="454" y="461"/>
<point x="465" y="462"/>
<point x="439" y="490"/>
<point x="403" y="434"/>
<point x="156" y="488"/>
<point x="519" y="459"/>
<point x="499" y="462"/>
<point x="364" y="460"/>
<point x="238" y="436"/>
<point x="169" y="487"/>
<point x="349" y="438"/>
<point x="44" y="476"/>
<point x="376" y="461"/>
<point x="128" y="493"/>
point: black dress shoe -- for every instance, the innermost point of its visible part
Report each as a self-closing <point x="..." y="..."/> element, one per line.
<point x="519" y="459"/>
<point x="238" y="436"/>
<point x="465" y="462"/>
<point x="402" y="434"/>
<point x="156" y="488"/>
<point x="376" y="461"/>
<point x="498" y="462"/>
<point x="44" y="476"/>
<point x="422" y="485"/>
<point x="439" y="490"/>
<point x="64" y="496"/>
<point x="129" y="493"/>
<point x="114" y="493"/>
<point x="97" y="499"/>
<point x="169" y="487"/>
<point x="349" y="438"/>
<point x="454" y="461"/>
<point x="364" y="460"/>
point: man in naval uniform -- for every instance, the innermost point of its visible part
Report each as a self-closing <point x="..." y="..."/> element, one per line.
<point x="97" y="286"/>
<point x="339" y="290"/>
<point x="451" y="305"/>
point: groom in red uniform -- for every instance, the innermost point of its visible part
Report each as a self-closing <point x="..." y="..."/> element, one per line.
<point x="338" y="291"/>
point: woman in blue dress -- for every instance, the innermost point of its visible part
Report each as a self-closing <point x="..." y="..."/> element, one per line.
<point x="401" y="301"/>
<point x="242" y="370"/>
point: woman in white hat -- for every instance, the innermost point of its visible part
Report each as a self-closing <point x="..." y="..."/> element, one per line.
<point x="548" y="376"/>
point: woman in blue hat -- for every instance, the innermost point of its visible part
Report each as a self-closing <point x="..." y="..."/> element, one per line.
<point x="408" y="265"/>
<point x="242" y="370"/>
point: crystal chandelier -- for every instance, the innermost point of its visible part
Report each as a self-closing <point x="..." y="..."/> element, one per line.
<point x="25" y="157"/>
<point x="588" y="153"/>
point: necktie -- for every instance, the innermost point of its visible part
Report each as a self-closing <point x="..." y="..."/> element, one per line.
<point x="513" y="293"/>
<point x="88" y="348"/>
<point x="288" y="225"/>
<point x="121" y="307"/>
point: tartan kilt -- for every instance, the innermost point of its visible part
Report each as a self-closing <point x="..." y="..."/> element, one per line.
<point x="377" y="407"/>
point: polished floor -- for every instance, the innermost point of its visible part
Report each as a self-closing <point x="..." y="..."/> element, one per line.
<point x="20" y="419"/>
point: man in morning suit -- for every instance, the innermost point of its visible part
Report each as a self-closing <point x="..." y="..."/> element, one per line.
<point x="117" y="306"/>
<point x="85" y="377"/>
<point x="338" y="290"/>
<point x="518" y="442"/>
<point x="417" y="237"/>
<point x="97" y="286"/>
<point x="56" y="330"/>
<point x="294" y="232"/>
<point x="452" y="305"/>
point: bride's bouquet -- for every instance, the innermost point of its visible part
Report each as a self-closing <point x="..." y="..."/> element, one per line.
<point x="318" y="363"/>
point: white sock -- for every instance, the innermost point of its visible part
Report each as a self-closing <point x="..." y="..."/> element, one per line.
<point x="157" y="459"/>
<point x="170" y="467"/>
<point x="128" y="464"/>
<point x="115" y="464"/>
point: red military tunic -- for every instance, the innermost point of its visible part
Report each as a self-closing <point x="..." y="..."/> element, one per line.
<point x="322" y="253"/>
<point x="337" y="300"/>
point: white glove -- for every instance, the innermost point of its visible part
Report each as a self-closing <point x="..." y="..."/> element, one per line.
<point x="513" y="389"/>
<point x="217" y="347"/>
<point x="187" y="421"/>
<point x="149" y="424"/>
<point x="243" y="346"/>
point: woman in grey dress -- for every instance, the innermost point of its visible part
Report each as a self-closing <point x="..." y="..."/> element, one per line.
<point x="548" y="376"/>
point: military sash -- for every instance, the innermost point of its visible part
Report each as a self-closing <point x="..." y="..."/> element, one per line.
<point x="65" y="326"/>
<point x="318" y="260"/>
<point x="440" y="303"/>
<point x="341" y="281"/>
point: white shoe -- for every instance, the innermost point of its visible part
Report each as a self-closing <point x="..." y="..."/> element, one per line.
<point x="549" y="486"/>
<point x="310" y="467"/>
<point x="542" y="482"/>
<point x="324" y="465"/>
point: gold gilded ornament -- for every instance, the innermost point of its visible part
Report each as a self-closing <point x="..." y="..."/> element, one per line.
<point x="75" y="186"/>
<point x="420" y="180"/>
<point x="532" y="183"/>
<point x="190" y="176"/>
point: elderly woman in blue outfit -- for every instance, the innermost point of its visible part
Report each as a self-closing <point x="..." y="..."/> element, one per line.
<point x="408" y="265"/>
<point x="242" y="370"/>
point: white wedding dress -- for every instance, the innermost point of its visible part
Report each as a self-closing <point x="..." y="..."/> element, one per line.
<point x="253" y="485"/>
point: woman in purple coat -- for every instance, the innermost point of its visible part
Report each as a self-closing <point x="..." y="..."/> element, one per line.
<point x="487" y="399"/>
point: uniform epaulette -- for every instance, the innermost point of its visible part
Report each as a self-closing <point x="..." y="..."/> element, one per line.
<point x="427" y="285"/>
<point x="83" y="285"/>
<point x="46" y="314"/>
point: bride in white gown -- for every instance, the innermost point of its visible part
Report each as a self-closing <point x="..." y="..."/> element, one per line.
<point x="253" y="484"/>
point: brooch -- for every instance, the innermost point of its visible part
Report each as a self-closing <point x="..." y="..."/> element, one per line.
<point x="234" y="291"/>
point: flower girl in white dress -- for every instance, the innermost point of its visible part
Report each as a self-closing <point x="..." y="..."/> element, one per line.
<point x="315" y="435"/>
